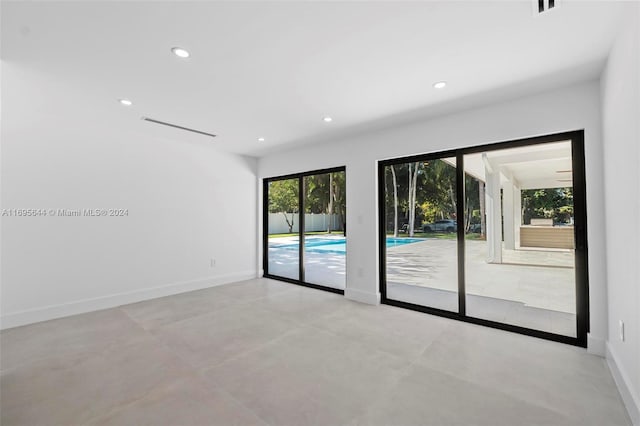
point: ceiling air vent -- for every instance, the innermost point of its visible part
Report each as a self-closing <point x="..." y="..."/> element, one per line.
<point x="541" y="6"/>
<point x="164" y="123"/>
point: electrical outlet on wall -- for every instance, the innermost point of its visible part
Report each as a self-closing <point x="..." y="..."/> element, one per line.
<point x="212" y="262"/>
<point x="621" y="323"/>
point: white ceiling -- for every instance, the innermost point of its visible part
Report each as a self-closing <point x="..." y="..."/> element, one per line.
<point x="275" y="69"/>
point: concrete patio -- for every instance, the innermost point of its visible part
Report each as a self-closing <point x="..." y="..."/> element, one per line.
<point x="327" y="269"/>
<point x="532" y="288"/>
<point x="521" y="292"/>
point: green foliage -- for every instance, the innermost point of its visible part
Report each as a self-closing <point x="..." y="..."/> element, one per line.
<point x="283" y="196"/>
<point x="436" y="197"/>
<point x="323" y="193"/>
<point x="435" y="192"/>
<point x="318" y="190"/>
<point x="316" y="193"/>
<point x="429" y="211"/>
<point x="438" y="184"/>
<point x="326" y="193"/>
<point x="550" y="203"/>
<point x="340" y="197"/>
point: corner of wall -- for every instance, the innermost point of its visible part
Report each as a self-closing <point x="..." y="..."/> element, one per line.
<point x="620" y="103"/>
<point x="630" y="399"/>
<point x="596" y="345"/>
<point x="362" y="296"/>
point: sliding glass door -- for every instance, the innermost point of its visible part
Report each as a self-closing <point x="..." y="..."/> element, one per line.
<point x="283" y="237"/>
<point x="420" y="237"/>
<point x="520" y="259"/>
<point x="494" y="235"/>
<point x="325" y="243"/>
<point x="304" y="229"/>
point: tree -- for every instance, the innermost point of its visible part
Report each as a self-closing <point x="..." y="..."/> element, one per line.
<point x="330" y="204"/>
<point x="437" y="190"/>
<point x="483" y="219"/>
<point x="316" y="193"/>
<point x="339" y="198"/>
<point x="472" y="204"/>
<point x="550" y="203"/>
<point x="422" y="190"/>
<point x="413" y="178"/>
<point x="395" y="201"/>
<point x="283" y="198"/>
<point x="325" y="193"/>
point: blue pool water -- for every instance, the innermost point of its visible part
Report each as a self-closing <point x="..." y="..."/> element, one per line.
<point x="394" y="242"/>
<point x="339" y="245"/>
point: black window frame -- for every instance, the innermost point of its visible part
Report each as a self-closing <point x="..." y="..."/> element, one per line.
<point x="265" y="227"/>
<point x="576" y="138"/>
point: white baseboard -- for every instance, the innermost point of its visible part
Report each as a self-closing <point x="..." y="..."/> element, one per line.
<point x="629" y="396"/>
<point x="362" y="296"/>
<point x="45" y="313"/>
<point x="596" y="345"/>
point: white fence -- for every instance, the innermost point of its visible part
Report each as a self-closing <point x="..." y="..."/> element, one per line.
<point x="312" y="222"/>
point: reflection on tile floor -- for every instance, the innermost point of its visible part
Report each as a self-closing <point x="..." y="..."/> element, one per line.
<point x="489" y="308"/>
<point x="262" y="352"/>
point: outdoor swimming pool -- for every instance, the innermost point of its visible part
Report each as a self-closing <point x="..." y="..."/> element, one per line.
<point x="338" y="245"/>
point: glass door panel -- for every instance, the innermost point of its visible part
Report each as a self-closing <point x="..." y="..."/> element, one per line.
<point x="324" y="229"/>
<point x="519" y="246"/>
<point x="420" y="218"/>
<point x="283" y="228"/>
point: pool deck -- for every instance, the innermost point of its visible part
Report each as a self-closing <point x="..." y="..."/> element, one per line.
<point x="323" y="267"/>
<point x="533" y="288"/>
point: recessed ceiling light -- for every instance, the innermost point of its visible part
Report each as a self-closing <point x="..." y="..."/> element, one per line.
<point x="125" y="102"/>
<point x="180" y="52"/>
<point x="260" y="139"/>
<point x="440" y="84"/>
<point x="327" y="119"/>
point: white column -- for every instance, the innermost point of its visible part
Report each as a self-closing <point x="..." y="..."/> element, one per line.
<point x="517" y="214"/>
<point x="494" y="216"/>
<point x="508" y="213"/>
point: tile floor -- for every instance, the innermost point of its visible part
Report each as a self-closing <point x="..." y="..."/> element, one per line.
<point x="262" y="352"/>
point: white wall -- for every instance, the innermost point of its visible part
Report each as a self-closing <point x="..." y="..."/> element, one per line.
<point x="187" y="203"/>
<point x="570" y="108"/>
<point x="621" y="137"/>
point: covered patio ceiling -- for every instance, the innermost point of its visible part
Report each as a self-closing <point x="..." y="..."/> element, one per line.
<point x="531" y="167"/>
